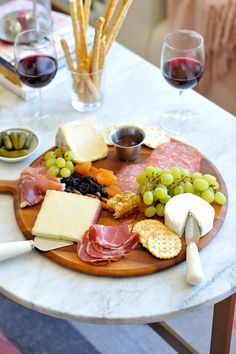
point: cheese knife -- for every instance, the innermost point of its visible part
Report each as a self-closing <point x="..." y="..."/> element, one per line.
<point x="194" y="271"/>
<point x="16" y="248"/>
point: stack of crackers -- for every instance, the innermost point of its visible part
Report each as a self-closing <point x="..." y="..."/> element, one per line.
<point x="87" y="70"/>
<point x="158" y="239"/>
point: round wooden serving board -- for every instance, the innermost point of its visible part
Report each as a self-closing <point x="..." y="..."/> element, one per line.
<point x="139" y="261"/>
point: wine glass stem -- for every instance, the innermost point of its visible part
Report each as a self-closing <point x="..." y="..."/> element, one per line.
<point x="181" y="105"/>
<point x="39" y="113"/>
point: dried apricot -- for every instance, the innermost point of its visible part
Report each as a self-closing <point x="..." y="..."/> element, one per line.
<point x="112" y="190"/>
<point x="83" y="168"/>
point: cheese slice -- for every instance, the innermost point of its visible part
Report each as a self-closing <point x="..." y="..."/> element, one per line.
<point x="178" y="207"/>
<point x="66" y="216"/>
<point x="83" y="139"/>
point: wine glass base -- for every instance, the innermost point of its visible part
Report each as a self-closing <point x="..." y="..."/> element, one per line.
<point x="41" y="124"/>
<point x="175" y="123"/>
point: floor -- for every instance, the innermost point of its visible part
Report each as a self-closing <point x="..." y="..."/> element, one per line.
<point x="23" y="331"/>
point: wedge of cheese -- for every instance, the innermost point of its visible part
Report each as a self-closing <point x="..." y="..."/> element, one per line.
<point x="178" y="207"/>
<point x="83" y="139"/>
<point x="66" y="216"/>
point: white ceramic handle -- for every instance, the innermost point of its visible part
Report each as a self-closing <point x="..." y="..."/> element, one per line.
<point x="194" y="271"/>
<point x="13" y="249"/>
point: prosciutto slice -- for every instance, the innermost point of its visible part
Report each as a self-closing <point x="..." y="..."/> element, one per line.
<point x="34" y="183"/>
<point x="102" y="244"/>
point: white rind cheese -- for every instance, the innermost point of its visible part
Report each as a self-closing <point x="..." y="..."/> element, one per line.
<point x="178" y="207"/>
<point x="83" y="139"/>
<point x="66" y="216"/>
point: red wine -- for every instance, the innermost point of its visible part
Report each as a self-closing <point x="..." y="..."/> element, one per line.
<point x="182" y="73"/>
<point x="37" y="70"/>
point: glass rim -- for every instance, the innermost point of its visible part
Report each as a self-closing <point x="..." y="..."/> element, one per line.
<point x="184" y="31"/>
<point x="43" y="32"/>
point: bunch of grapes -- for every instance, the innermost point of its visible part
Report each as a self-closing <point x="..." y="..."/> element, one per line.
<point x="158" y="186"/>
<point x="59" y="163"/>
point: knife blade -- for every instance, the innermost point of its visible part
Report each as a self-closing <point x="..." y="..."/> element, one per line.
<point x="13" y="249"/>
<point x="194" y="271"/>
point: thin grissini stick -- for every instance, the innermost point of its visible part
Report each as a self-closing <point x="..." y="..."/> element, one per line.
<point x="117" y="22"/>
<point x="110" y="9"/>
<point x="87" y="6"/>
<point x="102" y="53"/>
<point x="83" y="44"/>
<point x="96" y="49"/>
<point x="67" y="54"/>
<point x="90" y="85"/>
<point x="73" y="13"/>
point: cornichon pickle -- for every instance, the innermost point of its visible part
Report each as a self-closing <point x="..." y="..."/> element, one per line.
<point x="21" y="140"/>
<point x="28" y="141"/>
<point x="7" y="142"/>
<point x="1" y="140"/>
<point x="13" y="153"/>
<point x="14" y="139"/>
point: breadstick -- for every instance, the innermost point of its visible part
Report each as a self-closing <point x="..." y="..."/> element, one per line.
<point x="102" y="53"/>
<point x="87" y="6"/>
<point x="90" y="84"/>
<point x="117" y="22"/>
<point x="96" y="48"/>
<point x="67" y="54"/>
<point x="110" y="9"/>
<point x="75" y="30"/>
<point x="83" y="46"/>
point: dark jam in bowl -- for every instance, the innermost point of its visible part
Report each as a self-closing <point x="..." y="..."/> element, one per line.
<point x="127" y="140"/>
<point x="182" y="73"/>
<point x="37" y="70"/>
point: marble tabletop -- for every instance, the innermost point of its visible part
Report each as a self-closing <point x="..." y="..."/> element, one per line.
<point x="135" y="92"/>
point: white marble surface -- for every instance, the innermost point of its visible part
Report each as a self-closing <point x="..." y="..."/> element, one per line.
<point x="135" y="91"/>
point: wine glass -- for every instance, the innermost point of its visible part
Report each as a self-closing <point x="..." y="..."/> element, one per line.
<point x="36" y="66"/>
<point x="182" y="65"/>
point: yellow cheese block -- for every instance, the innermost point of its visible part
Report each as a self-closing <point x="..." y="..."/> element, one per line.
<point x="66" y="216"/>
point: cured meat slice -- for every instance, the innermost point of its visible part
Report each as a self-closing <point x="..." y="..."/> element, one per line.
<point x="34" y="183"/>
<point x="166" y="155"/>
<point x="102" y="244"/>
<point x="177" y="154"/>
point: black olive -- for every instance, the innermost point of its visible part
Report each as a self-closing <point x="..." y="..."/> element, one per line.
<point x="84" y="188"/>
<point x="69" y="189"/>
<point x="93" y="188"/>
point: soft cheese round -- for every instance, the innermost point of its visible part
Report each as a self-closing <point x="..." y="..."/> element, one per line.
<point x="178" y="207"/>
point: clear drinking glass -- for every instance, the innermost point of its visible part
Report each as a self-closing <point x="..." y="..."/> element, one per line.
<point x="36" y="66"/>
<point x="182" y="65"/>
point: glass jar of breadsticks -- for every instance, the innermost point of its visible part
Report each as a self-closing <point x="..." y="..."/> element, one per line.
<point x="86" y="72"/>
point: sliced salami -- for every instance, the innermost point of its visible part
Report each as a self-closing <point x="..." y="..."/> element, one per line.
<point x="166" y="155"/>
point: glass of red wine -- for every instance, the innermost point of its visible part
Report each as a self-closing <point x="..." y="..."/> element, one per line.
<point x="182" y="65"/>
<point x="36" y="66"/>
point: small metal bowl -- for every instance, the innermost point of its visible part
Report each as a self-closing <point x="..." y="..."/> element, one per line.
<point x="127" y="141"/>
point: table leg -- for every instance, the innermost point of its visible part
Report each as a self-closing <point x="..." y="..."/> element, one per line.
<point x="222" y="326"/>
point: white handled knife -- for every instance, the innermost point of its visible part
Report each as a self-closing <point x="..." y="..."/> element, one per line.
<point x="13" y="249"/>
<point x="194" y="271"/>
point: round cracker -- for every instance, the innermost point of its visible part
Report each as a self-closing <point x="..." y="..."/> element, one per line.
<point x="164" y="247"/>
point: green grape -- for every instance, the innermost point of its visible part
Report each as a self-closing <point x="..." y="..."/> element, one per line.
<point x="167" y="179"/>
<point x="171" y="191"/>
<point x="141" y="178"/>
<point x="49" y="155"/>
<point x="178" y="190"/>
<point x="162" y="187"/>
<point x="50" y="162"/>
<point x="60" y="162"/>
<point x="142" y="188"/>
<point x="220" y="198"/>
<point x="150" y="171"/>
<point x="68" y="155"/>
<point x="188" y="187"/>
<point x="165" y="170"/>
<point x="65" y="172"/>
<point x="210" y="179"/>
<point x="150" y="211"/>
<point x="176" y="173"/>
<point x="53" y="171"/>
<point x="158" y="171"/>
<point x="160" y="209"/>
<point x="148" y="198"/>
<point x="165" y="200"/>
<point x="70" y="166"/>
<point x="196" y="175"/>
<point x="159" y="193"/>
<point x="208" y="196"/>
<point x="200" y="184"/>
<point x="197" y="193"/>
<point x="58" y="151"/>
<point x="216" y="185"/>
<point x="184" y="172"/>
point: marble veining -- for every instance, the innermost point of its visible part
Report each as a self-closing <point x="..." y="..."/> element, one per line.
<point x="135" y="92"/>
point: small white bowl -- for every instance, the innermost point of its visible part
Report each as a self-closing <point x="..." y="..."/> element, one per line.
<point x="33" y="148"/>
